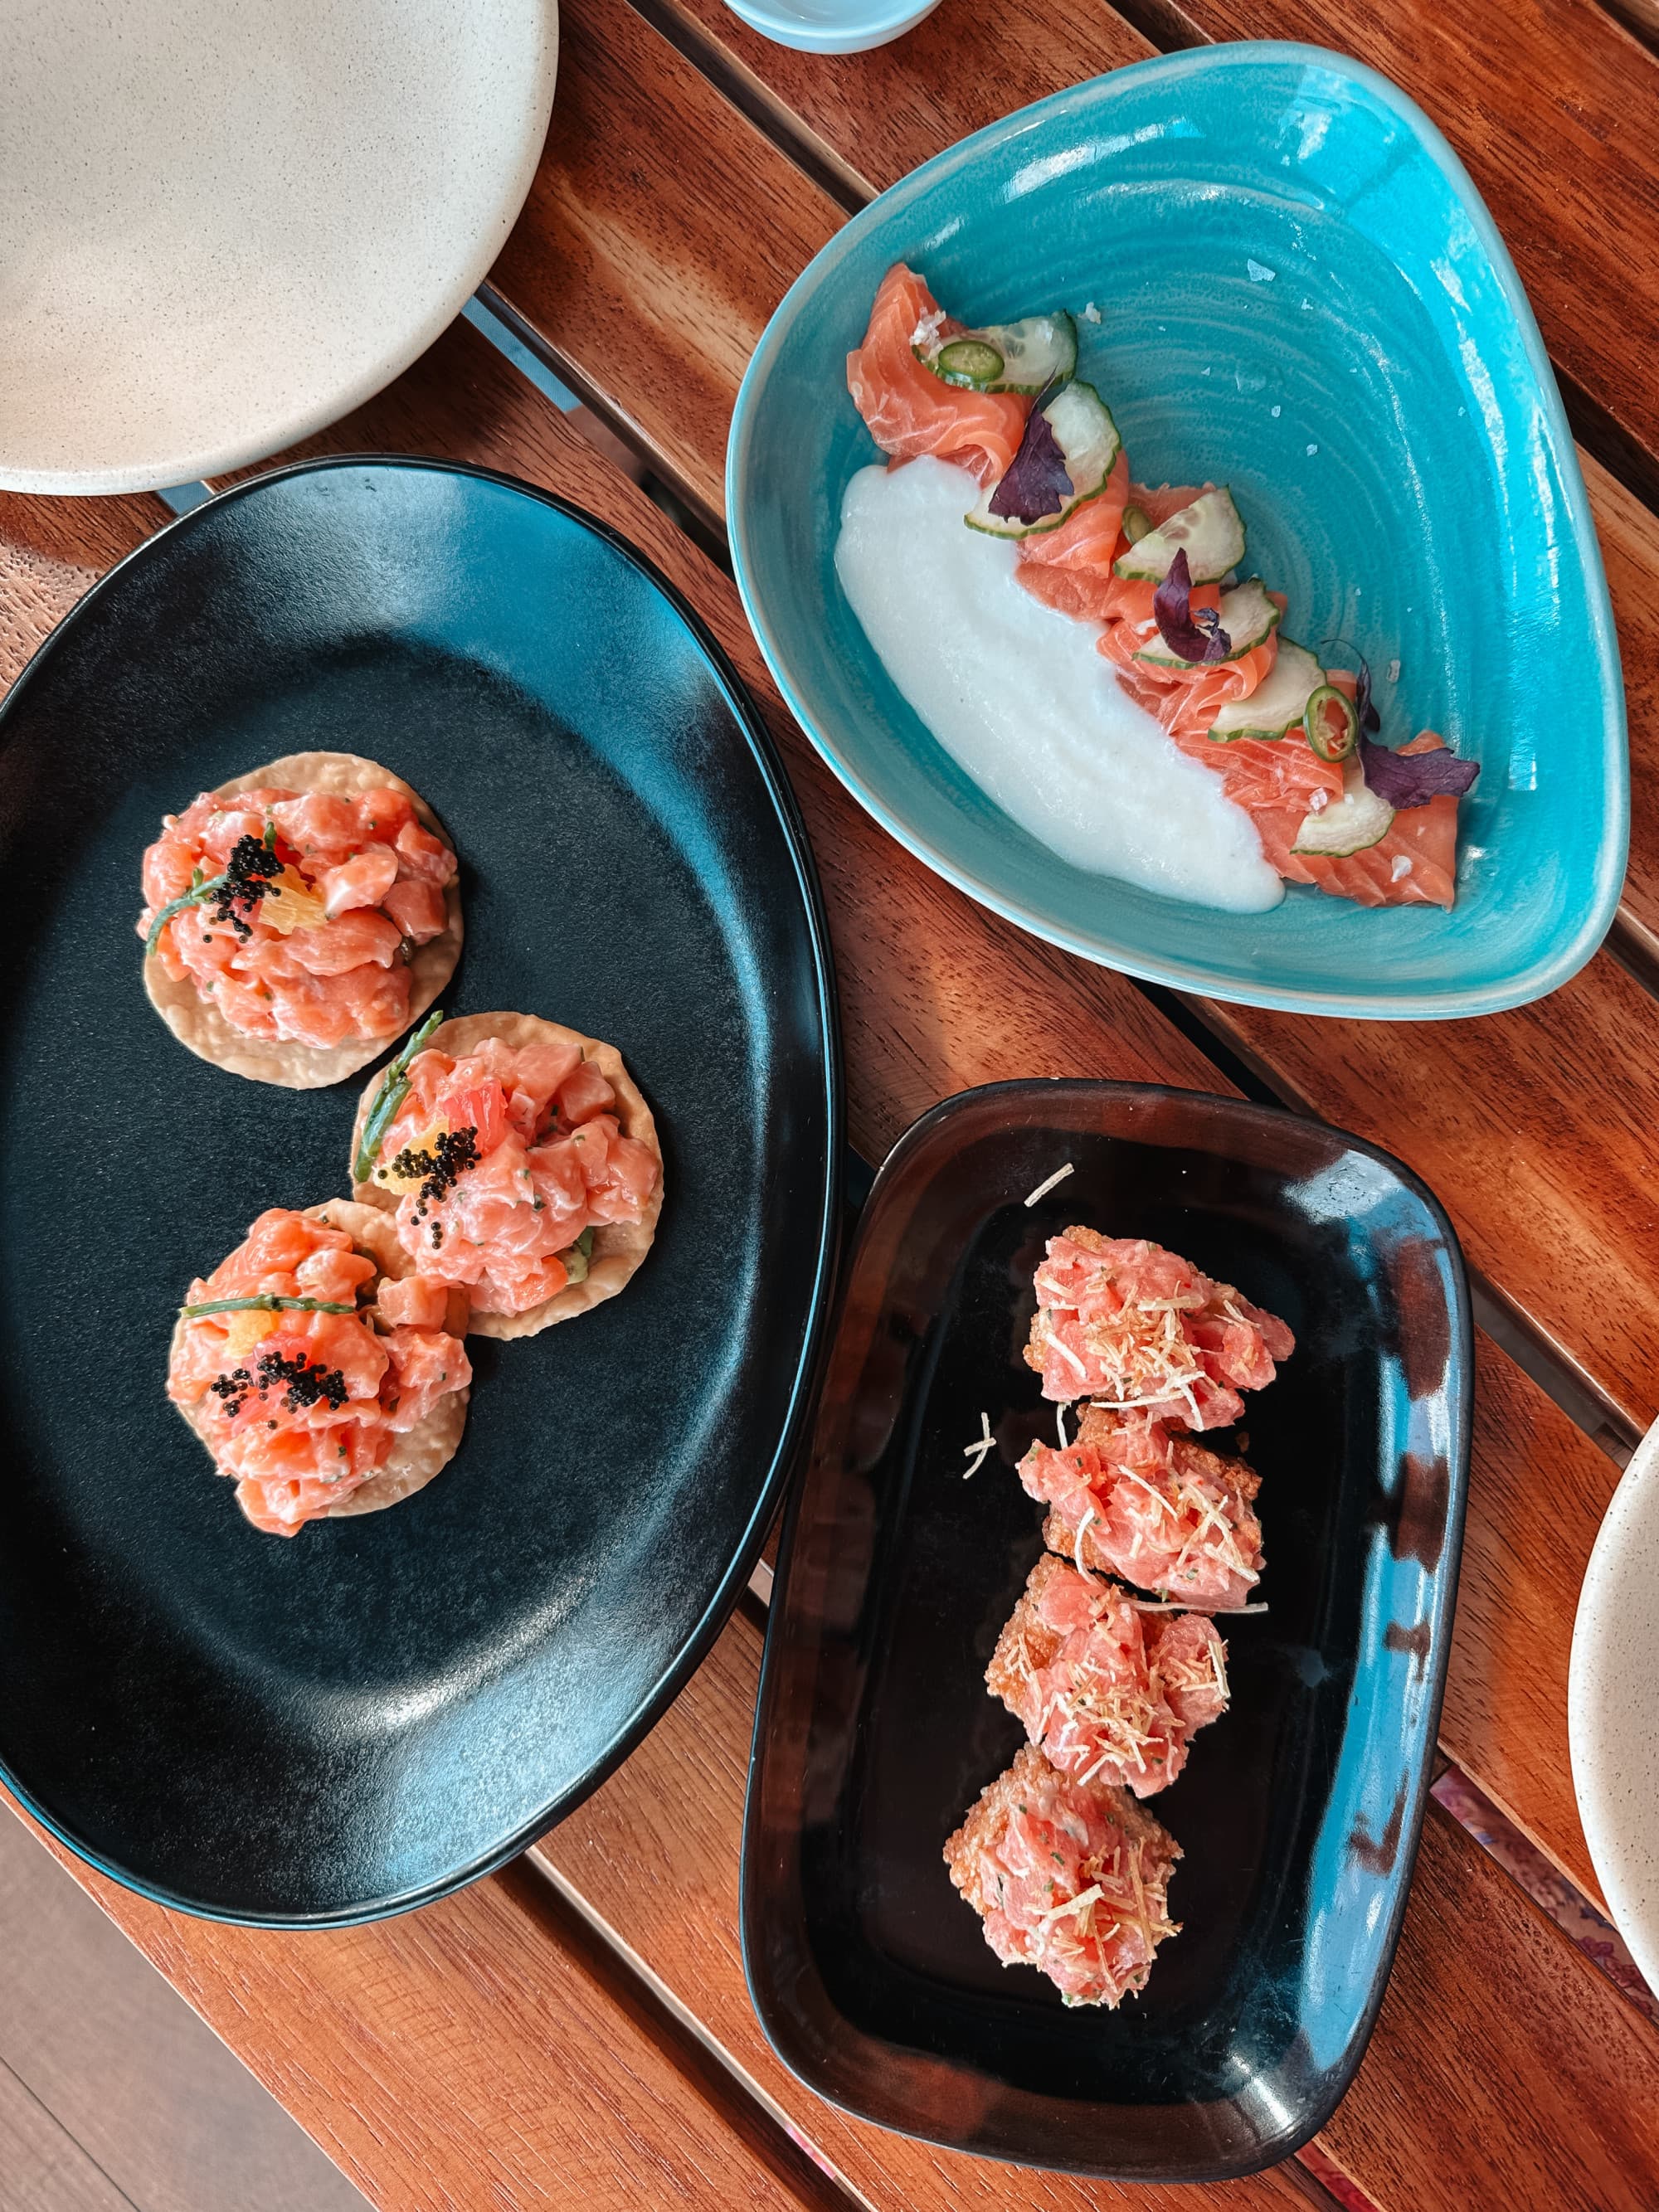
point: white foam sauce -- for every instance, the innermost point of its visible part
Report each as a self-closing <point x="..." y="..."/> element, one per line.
<point x="1017" y="694"/>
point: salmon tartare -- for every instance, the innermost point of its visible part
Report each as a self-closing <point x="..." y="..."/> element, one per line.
<point x="521" y="1162"/>
<point x="297" y="920"/>
<point x="1070" y="1877"/>
<point x="1106" y="1691"/>
<point x="324" y="1376"/>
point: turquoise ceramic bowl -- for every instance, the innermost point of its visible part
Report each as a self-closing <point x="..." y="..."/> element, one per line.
<point x="1382" y="405"/>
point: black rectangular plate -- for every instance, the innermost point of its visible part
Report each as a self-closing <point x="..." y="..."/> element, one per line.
<point x="1298" y="1812"/>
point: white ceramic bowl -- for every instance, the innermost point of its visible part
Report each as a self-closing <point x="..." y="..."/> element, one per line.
<point x="223" y="227"/>
<point x="1612" y="1708"/>
<point x="832" y="26"/>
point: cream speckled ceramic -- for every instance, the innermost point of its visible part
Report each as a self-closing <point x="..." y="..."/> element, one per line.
<point x="222" y="226"/>
<point x="1613" y="1706"/>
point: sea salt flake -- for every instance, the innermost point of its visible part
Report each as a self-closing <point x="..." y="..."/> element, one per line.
<point x="1318" y="802"/>
<point x="1312" y="450"/>
<point x="1394" y="672"/>
<point x="1276" y="412"/>
<point x="1402" y="866"/>
<point x="1090" y="313"/>
<point x="1259" y="272"/>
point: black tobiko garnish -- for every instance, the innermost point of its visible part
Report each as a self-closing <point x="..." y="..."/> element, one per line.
<point x="1036" y="481"/>
<point x="1195" y="633"/>
<point x="1408" y="779"/>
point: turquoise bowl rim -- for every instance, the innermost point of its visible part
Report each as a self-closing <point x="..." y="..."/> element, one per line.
<point x="1567" y="956"/>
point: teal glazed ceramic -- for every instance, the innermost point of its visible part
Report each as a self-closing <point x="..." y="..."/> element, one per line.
<point x="1300" y="294"/>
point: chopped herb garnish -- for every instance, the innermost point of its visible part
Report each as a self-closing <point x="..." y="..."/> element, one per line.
<point x="394" y="1089"/>
<point x="265" y="1303"/>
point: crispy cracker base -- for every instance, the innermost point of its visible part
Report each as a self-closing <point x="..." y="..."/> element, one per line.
<point x="618" y="1246"/>
<point x="201" y="1028"/>
<point x="424" y="1450"/>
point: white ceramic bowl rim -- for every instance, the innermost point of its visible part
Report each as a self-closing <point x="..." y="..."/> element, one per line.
<point x="1612" y="1719"/>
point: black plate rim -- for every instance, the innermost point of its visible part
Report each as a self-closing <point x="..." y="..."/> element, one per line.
<point x="776" y="2021"/>
<point x="803" y="1396"/>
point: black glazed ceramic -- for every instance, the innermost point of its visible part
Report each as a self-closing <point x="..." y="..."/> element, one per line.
<point x="1298" y="1811"/>
<point x="355" y="1720"/>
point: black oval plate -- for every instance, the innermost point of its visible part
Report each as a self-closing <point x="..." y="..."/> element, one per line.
<point x="1298" y="1811"/>
<point x="354" y="1720"/>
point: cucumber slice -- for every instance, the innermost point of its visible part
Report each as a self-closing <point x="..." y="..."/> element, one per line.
<point x="1277" y="704"/>
<point x="1022" y="356"/>
<point x="1137" y="524"/>
<point x="1211" y="531"/>
<point x="1352" y="823"/>
<point x="1331" y="723"/>
<point x="1087" y="436"/>
<point x="1248" y="616"/>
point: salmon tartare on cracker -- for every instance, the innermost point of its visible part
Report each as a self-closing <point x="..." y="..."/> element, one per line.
<point x="324" y="1376"/>
<point x="1068" y="1877"/>
<point x="521" y="1162"/>
<point x="298" y="918"/>
<point x="1106" y="1691"/>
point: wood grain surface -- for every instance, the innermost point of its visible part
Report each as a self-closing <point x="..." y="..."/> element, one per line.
<point x="666" y="266"/>
<point x="51" y="551"/>
<point x="483" y="2052"/>
<point x="1402" y="2132"/>
<point x="161" y="2109"/>
<point x="1535" y="1136"/>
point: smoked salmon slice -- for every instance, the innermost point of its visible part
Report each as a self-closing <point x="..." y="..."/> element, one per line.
<point x="910" y="409"/>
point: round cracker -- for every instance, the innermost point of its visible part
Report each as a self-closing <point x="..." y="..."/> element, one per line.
<point x="419" y="1453"/>
<point x="201" y="1028"/>
<point x="619" y="1246"/>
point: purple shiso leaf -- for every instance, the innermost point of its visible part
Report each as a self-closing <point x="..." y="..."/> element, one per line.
<point x="1194" y="634"/>
<point x="1406" y="780"/>
<point x="1035" y="482"/>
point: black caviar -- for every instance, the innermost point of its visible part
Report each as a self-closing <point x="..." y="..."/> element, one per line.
<point x="440" y="1168"/>
<point x="249" y="874"/>
<point x="301" y="1381"/>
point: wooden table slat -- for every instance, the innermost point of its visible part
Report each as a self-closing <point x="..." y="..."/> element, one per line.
<point x="51" y="550"/>
<point x="1535" y="1136"/>
<point x="484" y="2051"/>
<point x="1486" y="1991"/>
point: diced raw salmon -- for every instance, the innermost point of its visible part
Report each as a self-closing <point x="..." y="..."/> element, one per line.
<point x="301" y="1408"/>
<point x="1068" y="1877"/>
<point x="525" y="1160"/>
<point x="315" y="953"/>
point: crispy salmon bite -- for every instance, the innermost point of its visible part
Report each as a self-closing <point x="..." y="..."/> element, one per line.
<point x="325" y="1377"/>
<point x="1070" y="1877"/>
<point x="521" y="1162"/>
<point x="298" y="918"/>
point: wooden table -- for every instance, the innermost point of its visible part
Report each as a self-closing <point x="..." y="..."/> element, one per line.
<point x="575" y="2030"/>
